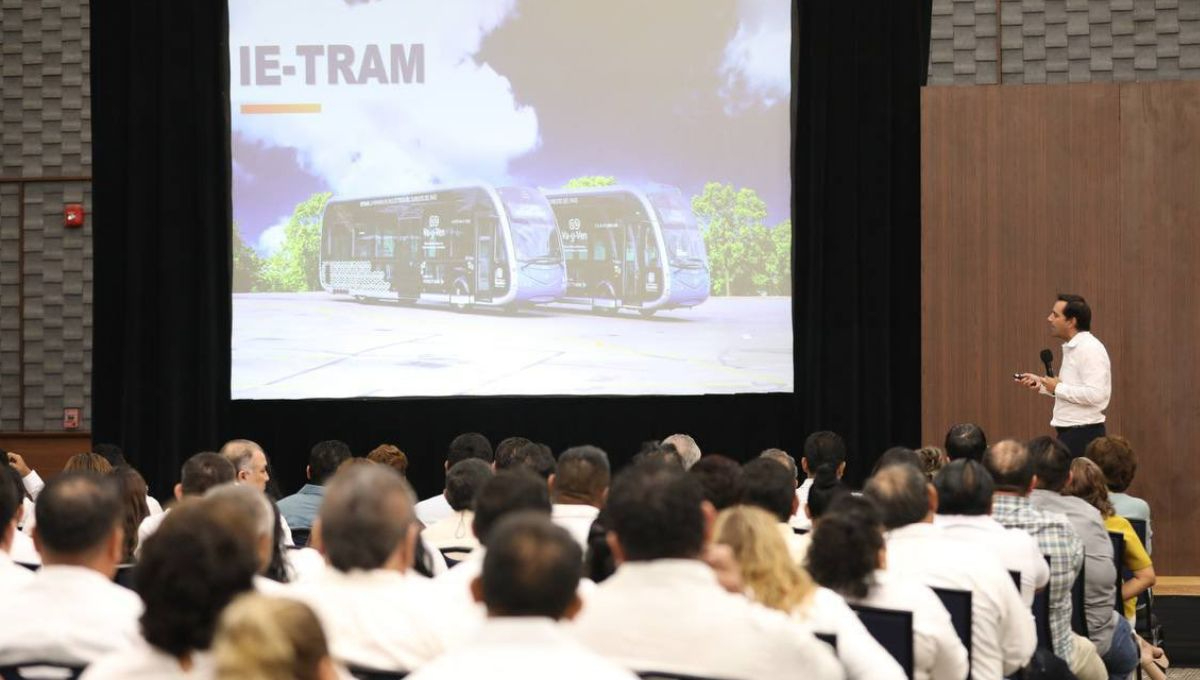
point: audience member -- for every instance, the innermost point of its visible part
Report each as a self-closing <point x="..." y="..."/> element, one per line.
<point x="133" y="506"/>
<point x="966" y="440"/>
<point x="933" y="458"/>
<point x="577" y="490"/>
<point x="720" y="478"/>
<point x="772" y="578"/>
<point x="29" y="477"/>
<point x="822" y="449"/>
<point x="252" y="468"/>
<point x="684" y="621"/>
<point x="462" y="447"/>
<point x="116" y="458"/>
<point x="506" y="452"/>
<point x="463" y="482"/>
<point x="1118" y="462"/>
<point x="529" y="580"/>
<point x="200" y="473"/>
<point x="1002" y="632"/>
<point x="1109" y="631"/>
<point x="246" y="510"/>
<point x="897" y="455"/>
<point x="686" y="447"/>
<point x="535" y="457"/>
<point x="12" y="575"/>
<point x="21" y="549"/>
<point x="826" y="487"/>
<point x="1011" y="468"/>
<point x="378" y="615"/>
<point x="658" y="452"/>
<point x="301" y="508"/>
<point x="392" y="456"/>
<point x="88" y="462"/>
<point x="848" y="556"/>
<point x="268" y="638"/>
<point x="190" y="569"/>
<point x="72" y="612"/>
<point x="964" y="492"/>
<point x="785" y="459"/>
<point x="768" y="485"/>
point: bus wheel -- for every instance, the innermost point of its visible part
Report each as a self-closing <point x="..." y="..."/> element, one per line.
<point x="462" y="292"/>
<point x="605" y="300"/>
<point x="646" y="312"/>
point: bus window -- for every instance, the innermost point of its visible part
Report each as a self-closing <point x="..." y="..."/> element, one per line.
<point x="364" y="243"/>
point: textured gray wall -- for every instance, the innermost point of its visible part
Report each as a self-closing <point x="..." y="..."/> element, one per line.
<point x="45" y="130"/>
<point x="1064" y="41"/>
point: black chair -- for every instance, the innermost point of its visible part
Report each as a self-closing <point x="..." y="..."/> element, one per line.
<point x="1147" y="623"/>
<point x="30" y="567"/>
<point x="1078" y="612"/>
<point x="1041" y="618"/>
<point x="893" y="630"/>
<point x="300" y="537"/>
<point x="40" y="670"/>
<point x="1118" y="544"/>
<point x="360" y="673"/>
<point x="453" y="555"/>
<point x="125" y="576"/>
<point x="1016" y="578"/>
<point x="828" y="638"/>
<point x="958" y="604"/>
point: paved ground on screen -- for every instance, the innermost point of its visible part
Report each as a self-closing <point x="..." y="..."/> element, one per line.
<point x="316" y="345"/>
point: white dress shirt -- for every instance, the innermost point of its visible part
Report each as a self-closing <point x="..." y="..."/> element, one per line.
<point x="12" y="575"/>
<point x="938" y="653"/>
<point x="862" y="657"/>
<point x="153" y="505"/>
<point x="29" y="516"/>
<point x="147" y="528"/>
<point x="144" y="662"/>
<point x="452" y="532"/>
<point x="1003" y="636"/>
<point x="302" y="564"/>
<point x="33" y="484"/>
<point x="67" y="615"/>
<point x="23" y="549"/>
<point x="800" y="520"/>
<point x="576" y="519"/>
<point x="1015" y="549"/>
<point x="797" y="544"/>
<point x="673" y="616"/>
<point x="529" y="648"/>
<point x="433" y="509"/>
<point x="1085" y="382"/>
<point x="379" y="619"/>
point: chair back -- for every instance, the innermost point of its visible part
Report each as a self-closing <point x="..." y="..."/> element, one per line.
<point x="1118" y="544"/>
<point x="660" y="675"/>
<point x="29" y="566"/>
<point x="1041" y="619"/>
<point x="1016" y="578"/>
<point x="41" y="670"/>
<point x="958" y="604"/>
<point x="125" y="576"/>
<point x="828" y="638"/>
<point x="454" y="555"/>
<point x="893" y="630"/>
<point x="300" y="537"/>
<point x="1078" y="613"/>
<point x="360" y="673"/>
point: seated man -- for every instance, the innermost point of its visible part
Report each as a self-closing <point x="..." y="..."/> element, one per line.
<point x="463" y="447"/>
<point x="665" y="610"/>
<point x="300" y="509"/>
<point x="376" y="611"/>
<point x="463" y="482"/>
<point x="1002" y="631"/>
<point x="578" y="488"/>
<point x="252" y="468"/>
<point x="247" y="511"/>
<point x="529" y="582"/>
<point x="768" y="484"/>
<point x="72" y="612"/>
<point x="688" y="449"/>
<point x="966" y="440"/>
<point x="12" y="575"/>
<point x="200" y="473"/>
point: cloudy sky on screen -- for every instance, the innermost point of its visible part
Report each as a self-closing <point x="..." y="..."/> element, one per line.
<point x="517" y="92"/>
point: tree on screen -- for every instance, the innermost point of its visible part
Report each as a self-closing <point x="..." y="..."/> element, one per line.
<point x="779" y="260"/>
<point x="589" y="181"/>
<point x="294" y="266"/>
<point x="745" y="256"/>
<point x="247" y="265"/>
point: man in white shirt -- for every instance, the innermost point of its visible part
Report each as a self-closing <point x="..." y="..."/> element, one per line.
<point x="72" y="612"/>
<point x="1084" y="383"/>
<point x="200" y="473"/>
<point x="1003" y="637"/>
<point x="528" y="584"/>
<point x="964" y="492"/>
<point x="12" y="575"/>
<point x="768" y="484"/>
<point x="578" y="488"/>
<point x="252" y="468"/>
<point x="686" y="447"/>
<point x="822" y="448"/>
<point x="378" y="614"/>
<point x="462" y="447"/>
<point x="247" y="510"/>
<point x="664" y="609"/>
<point x="463" y="482"/>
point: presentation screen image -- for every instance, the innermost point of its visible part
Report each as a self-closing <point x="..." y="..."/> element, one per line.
<point x="510" y="197"/>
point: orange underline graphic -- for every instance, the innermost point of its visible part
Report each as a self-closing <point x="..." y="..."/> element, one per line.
<point x="281" y="108"/>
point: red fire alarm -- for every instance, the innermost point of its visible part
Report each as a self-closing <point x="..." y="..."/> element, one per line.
<point x="71" y="418"/>
<point x="73" y="215"/>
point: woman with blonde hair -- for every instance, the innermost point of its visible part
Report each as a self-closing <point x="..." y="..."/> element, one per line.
<point x="773" y="579"/>
<point x="88" y="462"/>
<point x="270" y="638"/>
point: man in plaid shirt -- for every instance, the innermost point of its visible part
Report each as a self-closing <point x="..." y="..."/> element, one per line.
<point x="1012" y="470"/>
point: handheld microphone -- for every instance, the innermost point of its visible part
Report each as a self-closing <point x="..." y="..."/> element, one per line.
<point x="1047" y="359"/>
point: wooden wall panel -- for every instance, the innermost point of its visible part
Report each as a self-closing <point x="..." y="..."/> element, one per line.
<point x="46" y="452"/>
<point x="1032" y="190"/>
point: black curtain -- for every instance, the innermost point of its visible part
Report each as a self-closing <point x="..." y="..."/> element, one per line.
<point x="162" y="274"/>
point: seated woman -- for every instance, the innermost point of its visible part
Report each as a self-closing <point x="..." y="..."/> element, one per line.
<point x="1116" y="459"/>
<point x="773" y="579"/>
<point x="268" y="638"/>
<point x="848" y="556"/>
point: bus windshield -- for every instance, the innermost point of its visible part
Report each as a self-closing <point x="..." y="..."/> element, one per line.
<point x="681" y="236"/>
<point x="534" y="231"/>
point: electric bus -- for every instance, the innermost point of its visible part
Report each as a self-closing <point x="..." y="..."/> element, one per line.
<point x="629" y="248"/>
<point x="469" y="246"/>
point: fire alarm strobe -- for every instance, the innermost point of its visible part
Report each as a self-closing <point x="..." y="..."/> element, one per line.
<point x="73" y="215"/>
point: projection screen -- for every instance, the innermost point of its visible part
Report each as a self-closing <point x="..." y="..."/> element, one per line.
<point x="510" y="197"/>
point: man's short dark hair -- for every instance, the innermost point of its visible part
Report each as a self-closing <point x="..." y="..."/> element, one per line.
<point x="325" y="458"/>
<point x="506" y="451"/>
<point x="1011" y="466"/>
<point x="203" y="471"/>
<point x="582" y="472"/>
<point x="720" y="478"/>
<point x="507" y="492"/>
<point x="783" y="458"/>
<point x="824" y="448"/>
<point x="189" y="569"/>
<point x="77" y="511"/>
<point x="10" y="500"/>
<point x="655" y="510"/>
<point x="901" y="493"/>
<point x="1051" y="462"/>
<point x="1077" y="308"/>
<point x="537" y="458"/>
<point x="532" y="567"/>
<point x="966" y="440"/>
<point x="110" y="452"/>
<point x="964" y="487"/>
<point x="464" y="480"/>
<point x="767" y="484"/>
<point x="897" y="455"/>
<point x="469" y="445"/>
<point x="365" y="516"/>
